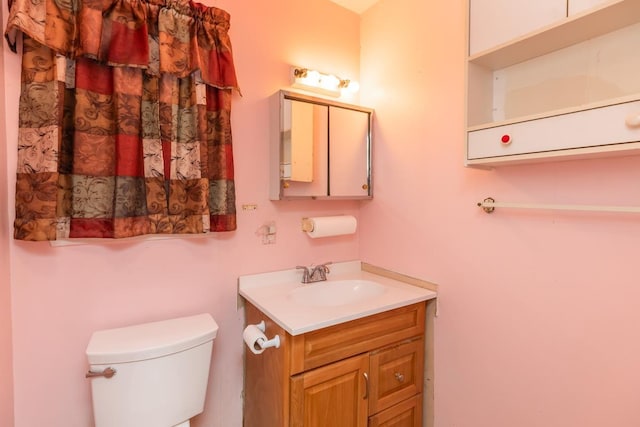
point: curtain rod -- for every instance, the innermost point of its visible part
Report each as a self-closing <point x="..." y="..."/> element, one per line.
<point x="489" y="205"/>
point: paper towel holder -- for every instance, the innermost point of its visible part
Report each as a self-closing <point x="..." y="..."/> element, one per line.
<point x="327" y="226"/>
<point x="273" y="342"/>
<point x="307" y="225"/>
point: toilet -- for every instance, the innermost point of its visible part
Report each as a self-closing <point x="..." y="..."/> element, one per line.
<point x="152" y="374"/>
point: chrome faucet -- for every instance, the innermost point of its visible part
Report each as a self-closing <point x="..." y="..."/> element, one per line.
<point x="305" y="273"/>
<point x="319" y="272"/>
<point x="314" y="274"/>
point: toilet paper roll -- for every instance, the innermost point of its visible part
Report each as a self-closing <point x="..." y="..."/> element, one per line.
<point x="253" y="338"/>
<point x="326" y="226"/>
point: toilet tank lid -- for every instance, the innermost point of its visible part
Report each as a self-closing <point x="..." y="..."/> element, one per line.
<point x="150" y="340"/>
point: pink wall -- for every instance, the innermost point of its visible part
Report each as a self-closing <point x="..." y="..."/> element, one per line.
<point x="6" y="366"/>
<point x="61" y="295"/>
<point x="538" y="311"/>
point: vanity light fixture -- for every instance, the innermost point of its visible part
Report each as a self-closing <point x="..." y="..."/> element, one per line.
<point x="326" y="84"/>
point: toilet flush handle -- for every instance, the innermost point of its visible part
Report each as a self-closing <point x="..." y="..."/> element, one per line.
<point x="107" y="373"/>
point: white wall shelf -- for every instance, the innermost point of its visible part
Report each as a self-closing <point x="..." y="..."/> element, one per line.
<point x="562" y="91"/>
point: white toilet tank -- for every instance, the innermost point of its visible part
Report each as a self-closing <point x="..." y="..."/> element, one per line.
<point x="161" y="372"/>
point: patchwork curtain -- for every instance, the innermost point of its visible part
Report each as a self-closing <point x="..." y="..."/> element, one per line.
<point x="124" y="121"/>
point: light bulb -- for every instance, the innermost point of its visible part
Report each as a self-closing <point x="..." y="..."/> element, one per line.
<point x="313" y="78"/>
<point x="329" y="81"/>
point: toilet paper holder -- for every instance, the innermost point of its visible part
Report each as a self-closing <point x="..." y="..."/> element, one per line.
<point x="273" y="342"/>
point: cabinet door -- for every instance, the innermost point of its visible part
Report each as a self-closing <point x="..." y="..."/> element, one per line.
<point x="348" y="156"/>
<point x="494" y="22"/>
<point x="408" y="413"/>
<point x="334" y="395"/>
<point x="304" y="149"/>
<point x="577" y="6"/>
<point x="396" y="374"/>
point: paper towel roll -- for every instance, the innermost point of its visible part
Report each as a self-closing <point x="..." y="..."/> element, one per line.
<point x="326" y="226"/>
<point x="253" y="338"/>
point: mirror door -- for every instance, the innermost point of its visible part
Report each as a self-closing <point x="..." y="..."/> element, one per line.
<point x="348" y="152"/>
<point x="305" y="140"/>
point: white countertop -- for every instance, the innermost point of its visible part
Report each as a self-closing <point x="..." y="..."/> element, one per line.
<point x="271" y="294"/>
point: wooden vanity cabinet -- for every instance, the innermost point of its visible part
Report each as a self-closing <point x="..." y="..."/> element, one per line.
<point x="366" y="372"/>
<point x="333" y="395"/>
<point x="395" y="374"/>
<point x="408" y="413"/>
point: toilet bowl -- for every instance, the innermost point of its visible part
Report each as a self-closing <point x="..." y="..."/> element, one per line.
<point x="153" y="374"/>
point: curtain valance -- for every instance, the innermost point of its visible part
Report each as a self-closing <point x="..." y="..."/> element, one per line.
<point x="171" y="36"/>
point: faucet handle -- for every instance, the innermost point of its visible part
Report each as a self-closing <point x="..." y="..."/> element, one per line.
<point x="305" y="273"/>
<point x="319" y="272"/>
<point x="325" y="266"/>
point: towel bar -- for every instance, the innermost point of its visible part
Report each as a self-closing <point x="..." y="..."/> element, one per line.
<point x="489" y="205"/>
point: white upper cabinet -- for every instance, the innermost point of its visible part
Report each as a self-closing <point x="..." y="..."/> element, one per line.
<point x="494" y="22"/>
<point x="576" y="67"/>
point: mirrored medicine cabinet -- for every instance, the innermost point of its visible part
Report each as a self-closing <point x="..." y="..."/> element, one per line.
<point x="321" y="149"/>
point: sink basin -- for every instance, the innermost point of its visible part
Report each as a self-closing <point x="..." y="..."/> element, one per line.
<point x="336" y="292"/>
<point x="348" y="294"/>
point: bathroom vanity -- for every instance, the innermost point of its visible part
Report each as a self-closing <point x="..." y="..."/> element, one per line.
<point x="344" y="361"/>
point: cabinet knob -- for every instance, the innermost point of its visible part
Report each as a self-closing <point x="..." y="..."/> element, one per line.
<point x="399" y="377"/>
<point x="633" y="120"/>
<point x="506" y="139"/>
